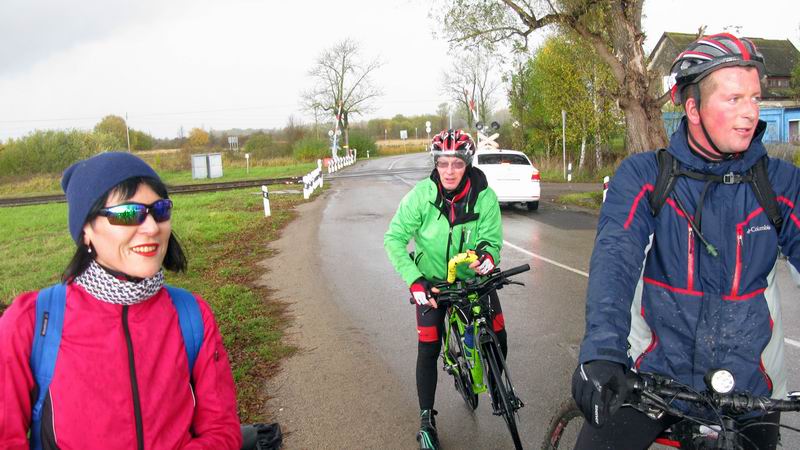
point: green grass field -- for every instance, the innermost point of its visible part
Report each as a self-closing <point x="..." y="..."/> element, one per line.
<point x="224" y="235"/>
<point x="593" y="200"/>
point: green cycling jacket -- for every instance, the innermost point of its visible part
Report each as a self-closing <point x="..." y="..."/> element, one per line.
<point x="441" y="230"/>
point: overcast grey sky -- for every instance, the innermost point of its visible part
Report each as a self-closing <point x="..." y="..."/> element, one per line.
<point x="244" y="63"/>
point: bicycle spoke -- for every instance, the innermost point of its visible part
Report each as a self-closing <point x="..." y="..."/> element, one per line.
<point x="460" y="372"/>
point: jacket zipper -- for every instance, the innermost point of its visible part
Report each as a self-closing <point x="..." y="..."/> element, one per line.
<point x="737" y="273"/>
<point x="653" y="343"/>
<point x="447" y="253"/>
<point x="690" y="269"/>
<point x="137" y="408"/>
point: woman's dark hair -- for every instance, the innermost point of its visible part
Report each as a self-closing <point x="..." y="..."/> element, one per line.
<point x="174" y="260"/>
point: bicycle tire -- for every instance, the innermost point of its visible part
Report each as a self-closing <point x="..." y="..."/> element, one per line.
<point x="463" y="377"/>
<point x="564" y="427"/>
<point x="500" y="385"/>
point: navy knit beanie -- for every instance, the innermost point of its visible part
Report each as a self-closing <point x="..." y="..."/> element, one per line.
<point x="86" y="181"/>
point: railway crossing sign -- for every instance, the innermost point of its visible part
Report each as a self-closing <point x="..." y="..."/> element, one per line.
<point x="487" y="142"/>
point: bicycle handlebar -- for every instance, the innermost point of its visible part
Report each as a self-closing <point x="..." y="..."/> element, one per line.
<point x="651" y="388"/>
<point x="453" y="293"/>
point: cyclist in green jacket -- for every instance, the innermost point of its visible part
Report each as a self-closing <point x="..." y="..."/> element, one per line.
<point x="452" y="211"/>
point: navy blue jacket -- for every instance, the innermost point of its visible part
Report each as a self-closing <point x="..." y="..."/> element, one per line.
<point x="657" y="301"/>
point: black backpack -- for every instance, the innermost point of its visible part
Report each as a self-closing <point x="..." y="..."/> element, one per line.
<point x="669" y="170"/>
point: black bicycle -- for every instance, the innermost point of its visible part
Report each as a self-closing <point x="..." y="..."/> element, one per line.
<point x="481" y="367"/>
<point x="656" y="395"/>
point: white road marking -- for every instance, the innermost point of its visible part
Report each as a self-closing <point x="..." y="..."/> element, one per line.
<point x="405" y="181"/>
<point x="547" y="260"/>
<point x="792" y="342"/>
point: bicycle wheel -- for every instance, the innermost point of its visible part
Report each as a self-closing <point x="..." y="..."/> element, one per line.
<point x="504" y="399"/>
<point x="562" y="433"/>
<point x="461" y="373"/>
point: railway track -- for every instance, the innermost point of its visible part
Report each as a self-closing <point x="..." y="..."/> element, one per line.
<point x="222" y="186"/>
<point x="184" y="188"/>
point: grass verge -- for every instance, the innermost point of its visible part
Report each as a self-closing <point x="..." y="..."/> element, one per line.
<point x="591" y="200"/>
<point x="224" y="234"/>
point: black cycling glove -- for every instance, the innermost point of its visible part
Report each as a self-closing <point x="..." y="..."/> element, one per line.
<point x="599" y="388"/>
<point x="421" y="291"/>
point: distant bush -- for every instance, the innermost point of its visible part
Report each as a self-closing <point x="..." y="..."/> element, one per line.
<point x="52" y="151"/>
<point x="262" y="146"/>
<point x="141" y="140"/>
<point x="362" y="142"/>
<point x="310" y="148"/>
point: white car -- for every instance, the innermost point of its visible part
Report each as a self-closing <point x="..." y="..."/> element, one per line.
<point x="511" y="175"/>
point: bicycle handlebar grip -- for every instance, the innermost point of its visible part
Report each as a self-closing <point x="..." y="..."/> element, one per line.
<point x="516" y="270"/>
<point x="461" y="258"/>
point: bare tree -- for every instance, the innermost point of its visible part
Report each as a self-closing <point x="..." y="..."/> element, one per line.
<point x="612" y="27"/>
<point x="470" y="80"/>
<point x="342" y="84"/>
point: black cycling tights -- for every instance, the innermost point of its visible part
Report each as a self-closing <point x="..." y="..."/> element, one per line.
<point x="629" y="429"/>
<point x="427" y="355"/>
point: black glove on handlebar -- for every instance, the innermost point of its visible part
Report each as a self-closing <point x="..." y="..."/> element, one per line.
<point x="421" y="291"/>
<point x="599" y="388"/>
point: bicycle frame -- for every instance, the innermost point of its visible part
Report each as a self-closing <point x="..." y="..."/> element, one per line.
<point x="456" y="316"/>
<point x="469" y="310"/>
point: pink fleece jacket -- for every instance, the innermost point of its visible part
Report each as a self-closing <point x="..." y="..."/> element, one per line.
<point x="91" y="401"/>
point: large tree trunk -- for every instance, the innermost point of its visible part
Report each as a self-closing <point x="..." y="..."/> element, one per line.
<point x="644" y="128"/>
<point x="622" y="49"/>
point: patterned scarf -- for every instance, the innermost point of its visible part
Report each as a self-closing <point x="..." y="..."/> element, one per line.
<point x="110" y="289"/>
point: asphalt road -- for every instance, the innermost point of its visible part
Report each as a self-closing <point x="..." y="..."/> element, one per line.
<point x="544" y="318"/>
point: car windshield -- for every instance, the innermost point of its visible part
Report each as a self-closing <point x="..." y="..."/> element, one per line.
<point x="499" y="158"/>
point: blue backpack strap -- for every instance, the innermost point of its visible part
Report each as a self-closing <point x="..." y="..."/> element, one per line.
<point x="50" y="305"/>
<point x="191" y="322"/>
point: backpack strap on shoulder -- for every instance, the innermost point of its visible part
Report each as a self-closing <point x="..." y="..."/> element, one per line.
<point x="50" y="305"/>
<point x="765" y="194"/>
<point x="190" y="320"/>
<point x="667" y="168"/>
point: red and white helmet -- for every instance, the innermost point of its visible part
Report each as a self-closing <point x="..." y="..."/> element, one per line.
<point x="453" y="143"/>
<point x="708" y="54"/>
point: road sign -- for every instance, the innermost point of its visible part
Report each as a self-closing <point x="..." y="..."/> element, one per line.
<point x="487" y="142"/>
<point x="403" y="134"/>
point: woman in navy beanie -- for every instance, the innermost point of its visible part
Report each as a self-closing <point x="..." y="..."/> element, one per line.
<point x="113" y="358"/>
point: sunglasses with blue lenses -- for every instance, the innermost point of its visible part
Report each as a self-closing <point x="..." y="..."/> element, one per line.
<point x="136" y="213"/>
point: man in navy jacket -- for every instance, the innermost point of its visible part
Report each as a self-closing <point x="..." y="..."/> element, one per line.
<point x="692" y="288"/>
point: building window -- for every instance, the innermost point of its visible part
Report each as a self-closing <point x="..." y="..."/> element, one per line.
<point x="778" y="82"/>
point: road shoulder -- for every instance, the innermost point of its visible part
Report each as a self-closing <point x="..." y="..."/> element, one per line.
<point x="335" y="392"/>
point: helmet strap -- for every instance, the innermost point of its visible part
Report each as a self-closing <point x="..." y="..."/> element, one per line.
<point x="713" y="153"/>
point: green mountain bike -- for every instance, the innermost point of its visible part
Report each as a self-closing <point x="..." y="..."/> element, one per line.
<point x="479" y="368"/>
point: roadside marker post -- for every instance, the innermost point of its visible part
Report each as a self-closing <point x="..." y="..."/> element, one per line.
<point x="569" y="173"/>
<point x="606" y="179"/>
<point x="265" y="194"/>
